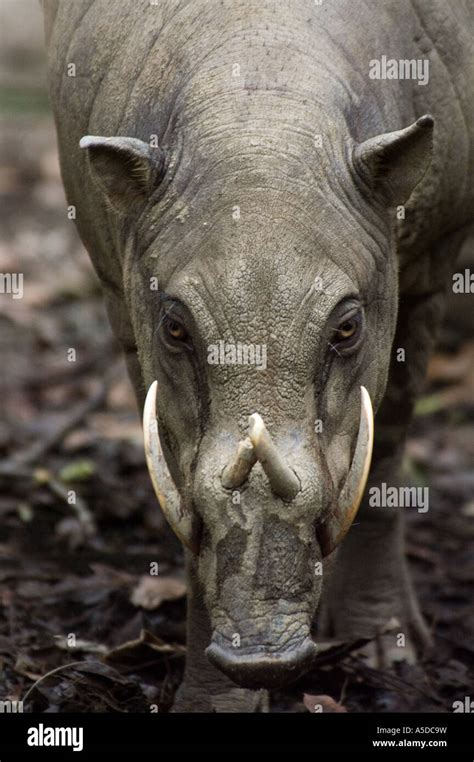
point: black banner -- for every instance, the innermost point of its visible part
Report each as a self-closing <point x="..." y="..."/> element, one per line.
<point x="89" y="736"/>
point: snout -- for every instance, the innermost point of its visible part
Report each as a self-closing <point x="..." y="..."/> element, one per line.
<point x="259" y="667"/>
<point x="258" y="559"/>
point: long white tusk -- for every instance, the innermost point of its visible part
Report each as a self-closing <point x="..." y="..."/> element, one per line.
<point x="283" y="480"/>
<point x="170" y="500"/>
<point x="340" y="520"/>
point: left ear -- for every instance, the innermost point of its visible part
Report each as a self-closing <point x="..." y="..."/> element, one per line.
<point x="126" y="170"/>
<point x="394" y="163"/>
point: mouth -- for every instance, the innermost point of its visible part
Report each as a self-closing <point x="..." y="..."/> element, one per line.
<point x="260" y="668"/>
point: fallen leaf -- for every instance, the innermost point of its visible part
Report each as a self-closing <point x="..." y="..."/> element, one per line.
<point x="150" y="592"/>
<point x="318" y="704"/>
<point x="79" y="471"/>
<point x="142" y="650"/>
<point x="87" y="646"/>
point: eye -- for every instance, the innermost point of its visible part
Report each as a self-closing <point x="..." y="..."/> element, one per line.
<point x="174" y="333"/>
<point x="175" y="330"/>
<point x="348" y="332"/>
<point x="347" y="329"/>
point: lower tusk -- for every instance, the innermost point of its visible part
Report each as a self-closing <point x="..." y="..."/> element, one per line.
<point x="283" y="480"/>
<point x="170" y="500"/>
<point x="237" y="471"/>
<point x="338" y="524"/>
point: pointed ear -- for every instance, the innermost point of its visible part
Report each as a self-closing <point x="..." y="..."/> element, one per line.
<point x="394" y="163"/>
<point x="126" y="169"/>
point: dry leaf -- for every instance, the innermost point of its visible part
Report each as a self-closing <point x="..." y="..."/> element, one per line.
<point x="150" y="592"/>
<point x="319" y="704"/>
<point x="138" y="651"/>
<point x="86" y="646"/>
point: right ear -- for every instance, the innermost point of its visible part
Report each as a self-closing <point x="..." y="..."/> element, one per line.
<point x="127" y="170"/>
<point x="392" y="164"/>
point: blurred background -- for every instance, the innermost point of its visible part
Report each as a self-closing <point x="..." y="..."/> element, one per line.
<point x="75" y="584"/>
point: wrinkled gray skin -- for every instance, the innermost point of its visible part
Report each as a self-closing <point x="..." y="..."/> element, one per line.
<point x="248" y="141"/>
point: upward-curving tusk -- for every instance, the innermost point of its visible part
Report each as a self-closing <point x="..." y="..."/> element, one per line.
<point x="340" y="520"/>
<point x="283" y="480"/>
<point x="170" y="500"/>
<point x="237" y="471"/>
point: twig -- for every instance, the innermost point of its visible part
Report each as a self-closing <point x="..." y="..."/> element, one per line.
<point x="84" y="516"/>
<point x="384" y="679"/>
<point x="36" y="451"/>
<point x="342" y="697"/>
<point x="48" y="674"/>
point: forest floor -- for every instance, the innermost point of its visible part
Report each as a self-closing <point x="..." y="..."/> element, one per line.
<point x="83" y="625"/>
